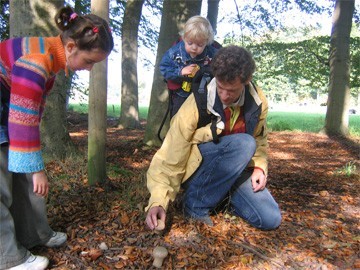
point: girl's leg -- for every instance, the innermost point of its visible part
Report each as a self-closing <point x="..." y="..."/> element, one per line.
<point x="29" y="212"/>
<point x="11" y="252"/>
<point x="222" y="164"/>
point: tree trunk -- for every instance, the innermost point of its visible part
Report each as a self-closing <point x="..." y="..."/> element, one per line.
<point x="175" y="14"/>
<point x="55" y="138"/>
<point x="33" y="18"/>
<point x="36" y="18"/>
<point x="97" y="109"/>
<point x="337" y="117"/>
<point x="129" y="115"/>
<point x="212" y="13"/>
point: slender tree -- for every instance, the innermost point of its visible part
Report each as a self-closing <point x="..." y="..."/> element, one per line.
<point x="337" y="118"/>
<point x="97" y="109"/>
<point x="175" y="14"/>
<point x="129" y="115"/>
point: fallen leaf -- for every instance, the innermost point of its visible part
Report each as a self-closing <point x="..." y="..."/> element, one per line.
<point x="94" y="254"/>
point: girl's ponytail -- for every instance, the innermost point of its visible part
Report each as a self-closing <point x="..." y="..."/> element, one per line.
<point x="88" y="31"/>
<point x="64" y="17"/>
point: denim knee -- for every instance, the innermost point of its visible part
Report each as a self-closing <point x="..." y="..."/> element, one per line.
<point x="271" y="222"/>
<point x="267" y="220"/>
<point x="257" y="208"/>
<point x="241" y="142"/>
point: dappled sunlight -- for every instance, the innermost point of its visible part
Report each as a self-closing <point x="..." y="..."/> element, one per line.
<point x="78" y="134"/>
<point x="318" y="201"/>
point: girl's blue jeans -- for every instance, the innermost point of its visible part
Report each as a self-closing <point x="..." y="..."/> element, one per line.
<point x="221" y="176"/>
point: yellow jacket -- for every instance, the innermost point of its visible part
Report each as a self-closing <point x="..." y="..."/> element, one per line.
<point x="179" y="156"/>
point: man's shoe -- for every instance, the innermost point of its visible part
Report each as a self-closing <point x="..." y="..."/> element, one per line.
<point x="56" y="240"/>
<point x="33" y="263"/>
<point x="206" y="220"/>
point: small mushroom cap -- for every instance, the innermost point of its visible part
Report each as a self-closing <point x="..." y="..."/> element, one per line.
<point x="160" y="252"/>
<point x="160" y="225"/>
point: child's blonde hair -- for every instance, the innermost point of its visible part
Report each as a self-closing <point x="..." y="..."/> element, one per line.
<point x="198" y="28"/>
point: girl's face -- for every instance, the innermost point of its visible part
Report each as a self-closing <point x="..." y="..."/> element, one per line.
<point x="82" y="59"/>
<point x="194" y="47"/>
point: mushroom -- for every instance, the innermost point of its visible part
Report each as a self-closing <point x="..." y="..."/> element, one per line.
<point x="160" y="225"/>
<point x="159" y="254"/>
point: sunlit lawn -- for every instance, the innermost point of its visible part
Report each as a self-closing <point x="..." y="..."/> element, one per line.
<point x="277" y="121"/>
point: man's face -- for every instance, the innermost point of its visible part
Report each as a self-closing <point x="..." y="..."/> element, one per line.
<point x="229" y="92"/>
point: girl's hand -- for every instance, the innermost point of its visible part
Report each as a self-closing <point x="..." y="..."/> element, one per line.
<point x="41" y="184"/>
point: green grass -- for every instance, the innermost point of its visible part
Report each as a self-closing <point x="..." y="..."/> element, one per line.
<point x="306" y="122"/>
<point x="277" y="121"/>
<point x="348" y="170"/>
<point x="112" y="110"/>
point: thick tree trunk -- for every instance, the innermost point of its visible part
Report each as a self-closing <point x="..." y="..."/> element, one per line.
<point x="175" y="14"/>
<point x="337" y="117"/>
<point x="36" y="18"/>
<point x="55" y="138"/>
<point x="97" y="109"/>
<point x="129" y="115"/>
<point x="212" y="13"/>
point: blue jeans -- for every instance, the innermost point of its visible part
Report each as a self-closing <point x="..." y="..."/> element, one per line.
<point x="222" y="175"/>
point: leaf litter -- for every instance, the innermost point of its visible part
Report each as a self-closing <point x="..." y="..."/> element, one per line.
<point x="320" y="209"/>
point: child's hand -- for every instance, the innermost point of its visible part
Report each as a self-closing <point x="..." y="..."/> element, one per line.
<point x="41" y="184"/>
<point x="188" y="69"/>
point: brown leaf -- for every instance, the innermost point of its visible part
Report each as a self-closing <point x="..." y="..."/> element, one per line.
<point x="94" y="254"/>
<point x="356" y="264"/>
<point x="324" y="193"/>
<point x="124" y="219"/>
<point x="104" y="266"/>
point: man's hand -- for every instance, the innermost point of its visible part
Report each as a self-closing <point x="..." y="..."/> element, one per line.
<point x="155" y="213"/>
<point x="41" y="184"/>
<point x="258" y="180"/>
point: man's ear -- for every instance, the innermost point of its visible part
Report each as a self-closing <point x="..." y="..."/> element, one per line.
<point x="249" y="80"/>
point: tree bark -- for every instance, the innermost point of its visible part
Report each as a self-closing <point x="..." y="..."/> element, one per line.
<point x="36" y="18"/>
<point x="337" y="117"/>
<point x="129" y="115"/>
<point x="98" y="109"/>
<point x="212" y="13"/>
<point x="175" y="14"/>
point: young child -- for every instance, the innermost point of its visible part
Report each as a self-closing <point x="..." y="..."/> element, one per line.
<point x="28" y="67"/>
<point x="185" y="58"/>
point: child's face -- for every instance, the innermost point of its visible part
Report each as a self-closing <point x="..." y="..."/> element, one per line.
<point x="85" y="60"/>
<point x="81" y="59"/>
<point x="194" y="47"/>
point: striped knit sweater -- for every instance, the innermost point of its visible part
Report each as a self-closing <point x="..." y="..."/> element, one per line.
<point x="28" y="67"/>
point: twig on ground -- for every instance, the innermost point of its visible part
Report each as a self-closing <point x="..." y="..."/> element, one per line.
<point x="257" y="253"/>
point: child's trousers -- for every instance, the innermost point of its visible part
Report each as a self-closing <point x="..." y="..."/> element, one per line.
<point x="23" y="219"/>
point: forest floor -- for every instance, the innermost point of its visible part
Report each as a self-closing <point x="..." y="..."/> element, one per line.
<point x="314" y="178"/>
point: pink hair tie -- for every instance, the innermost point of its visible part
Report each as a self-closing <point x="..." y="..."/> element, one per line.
<point x="73" y="16"/>
<point x="95" y="29"/>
